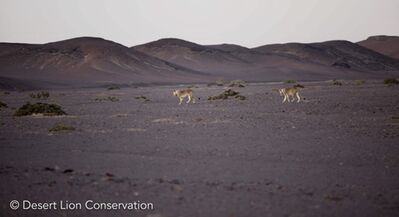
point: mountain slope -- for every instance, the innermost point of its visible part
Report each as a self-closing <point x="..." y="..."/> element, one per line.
<point x="87" y="59"/>
<point x="339" y="54"/>
<point x="387" y="45"/>
<point x="192" y="55"/>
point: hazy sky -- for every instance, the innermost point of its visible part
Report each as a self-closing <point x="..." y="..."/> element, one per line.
<point x="248" y="22"/>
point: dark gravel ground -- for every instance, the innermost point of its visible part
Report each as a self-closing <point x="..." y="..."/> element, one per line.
<point x="336" y="153"/>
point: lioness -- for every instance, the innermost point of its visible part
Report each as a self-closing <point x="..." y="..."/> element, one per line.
<point x="182" y="93"/>
<point x="290" y="92"/>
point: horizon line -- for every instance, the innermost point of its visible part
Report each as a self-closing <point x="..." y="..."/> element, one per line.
<point x="103" y="38"/>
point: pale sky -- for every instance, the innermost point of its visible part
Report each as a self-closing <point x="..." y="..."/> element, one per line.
<point x="249" y="23"/>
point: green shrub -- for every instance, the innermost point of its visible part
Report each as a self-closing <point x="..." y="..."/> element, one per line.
<point x="236" y="83"/>
<point x="217" y="83"/>
<point x="143" y="98"/>
<point x="191" y="86"/>
<point x="39" y="108"/>
<point x="61" y="127"/>
<point x="391" y="81"/>
<point x="2" y="105"/>
<point x="40" y="95"/>
<point x="337" y="83"/>
<point x="360" y="82"/>
<point x="240" y="97"/>
<point x="113" y="87"/>
<point x="299" y="86"/>
<point x="226" y="94"/>
<point x="290" y="81"/>
<point x="107" y="98"/>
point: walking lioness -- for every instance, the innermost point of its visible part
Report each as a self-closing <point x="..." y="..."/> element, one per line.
<point x="182" y="93"/>
<point x="290" y="92"/>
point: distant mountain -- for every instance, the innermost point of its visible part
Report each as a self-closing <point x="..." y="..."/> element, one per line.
<point x="88" y="59"/>
<point x="338" y="54"/>
<point x="387" y="45"/>
<point x="192" y="55"/>
<point x="326" y="60"/>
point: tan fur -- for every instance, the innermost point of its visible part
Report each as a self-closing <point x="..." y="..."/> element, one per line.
<point x="183" y="93"/>
<point x="290" y="92"/>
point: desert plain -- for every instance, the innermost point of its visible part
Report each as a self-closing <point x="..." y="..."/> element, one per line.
<point x="335" y="153"/>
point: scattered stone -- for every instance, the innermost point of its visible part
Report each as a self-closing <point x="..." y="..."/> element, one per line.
<point x="49" y="169"/>
<point x="68" y="171"/>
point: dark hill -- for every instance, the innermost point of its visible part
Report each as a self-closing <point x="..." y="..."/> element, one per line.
<point x="387" y="45"/>
<point x="88" y="59"/>
<point x="339" y="54"/>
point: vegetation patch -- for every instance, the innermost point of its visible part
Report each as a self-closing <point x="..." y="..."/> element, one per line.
<point x="40" y="95"/>
<point x="337" y="83"/>
<point x="143" y="98"/>
<point x="236" y="83"/>
<point x="299" y="86"/>
<point x="240" y="97"/>
<point x="360" y="82"/>
<point x="226" y="94"/>
<point x="106" y="98"/>
<point x="39" y="108"/>
<point x="60" y="127"/>
<point x="192" y="86"/>
<point x="217" y="83"/>
<point x="113" y="87"/>
<point x="391" y="81"/>
<point x="3" y="105"/>
<point x="290" y="81"/>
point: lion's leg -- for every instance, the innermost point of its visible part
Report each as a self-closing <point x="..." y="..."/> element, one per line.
<point x="292" y="98"/>
<point x="285" y="98"/>
<point x="189" y="99"/>
<point x="288" y="98"/>
<point x="297" y="96"/>
<point x="193" y="98"/>
<point x="180" y="100"/>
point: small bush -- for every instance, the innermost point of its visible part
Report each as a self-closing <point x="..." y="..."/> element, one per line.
<point x="236" y="83"/>
<point x="217" y="83"/>
<point x="114" y="87"/>
<point x="240" y="97"/>
<point x="391" y="81"/>
<point x="360" y="82"/>
<point x="337" y="83"/>
<point x="61" y="127"/>
<point x="39" y="108"/>
<point x="106" y="98"/>
<point x="6" y="93"/>
<point x="226" y="94"/>
<point x="2" y="105"/>
<point x="299" y="86"/>
<point x="290" y="81"/>
<point x="192" y="86"/>
<point x="40" y="95"/>
<point x="143" y="98"/>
